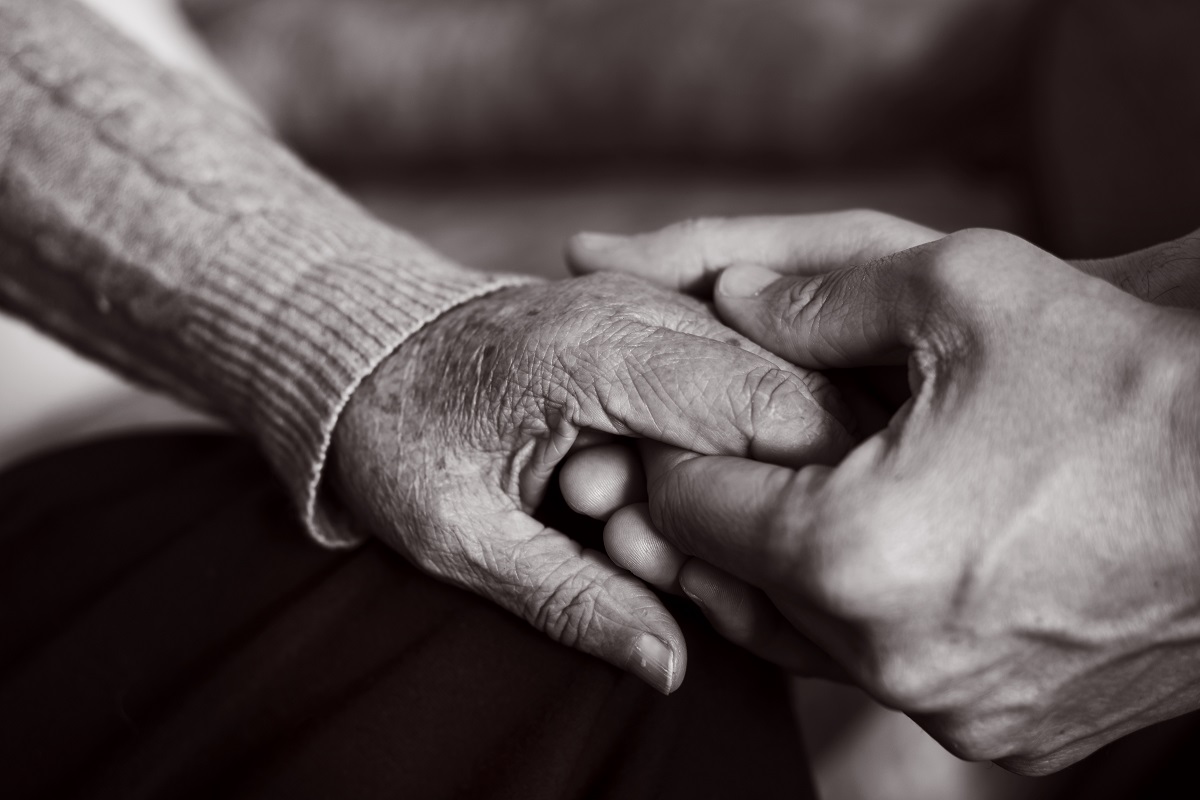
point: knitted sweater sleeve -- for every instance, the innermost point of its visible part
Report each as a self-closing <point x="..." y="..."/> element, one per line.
<point x="153" y="227"/>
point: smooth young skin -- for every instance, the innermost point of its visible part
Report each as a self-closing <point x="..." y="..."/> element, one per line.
<point x="454" y="438"/>
<point x="1014" y="561"/>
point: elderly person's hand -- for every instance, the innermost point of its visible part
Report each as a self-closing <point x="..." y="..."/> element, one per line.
<point x="450" y="445"/>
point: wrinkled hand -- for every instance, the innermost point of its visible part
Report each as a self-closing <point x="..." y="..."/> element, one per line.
<point x="449" y="446"/>
<point x="1015" y="560"/>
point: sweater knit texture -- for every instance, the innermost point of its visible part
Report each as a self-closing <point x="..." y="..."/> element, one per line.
<point x="153" y="227"/>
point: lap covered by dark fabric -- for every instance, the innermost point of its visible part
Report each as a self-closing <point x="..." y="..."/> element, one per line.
<point x="166" y="630"/>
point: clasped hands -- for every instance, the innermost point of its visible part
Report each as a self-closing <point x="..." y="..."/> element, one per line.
<point x="1007" y="548"/>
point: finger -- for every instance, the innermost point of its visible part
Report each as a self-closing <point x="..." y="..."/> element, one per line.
<point x="736" y="610"/>
<point x="561" y="441"/>
<point x="862" y="316"/>
<point x="713" y="398"/>
<point x="601" y="479"/>
<point x="582" y="600"/>
<point x="745" y="616"/>
<point x="706" y="325"/>
<point x="633" y="543"/>
<point x="687" y="256"/>
<point x="752" y="519"/>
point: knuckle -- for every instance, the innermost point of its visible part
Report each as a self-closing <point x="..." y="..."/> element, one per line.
<point x="770" y="390"/>
<point x="963" y="258"/>
<point x="850" y="571"/>
<point x="973" y="240"/>
<point x="975" y="741"/>
<point x="905" y="683"/>
<point x="947" y="271"/>
<point x="860" y="576"/>
<point x="844" y="589"/>
<point x="803" y="301"/>
<point x="957" y="288"/>
<point x="876" y="596"/>
<point x="977" y="737"/>
<point x="788" y="523"/>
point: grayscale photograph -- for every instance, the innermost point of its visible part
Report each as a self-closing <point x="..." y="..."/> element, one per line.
<point x="599" y="399"/>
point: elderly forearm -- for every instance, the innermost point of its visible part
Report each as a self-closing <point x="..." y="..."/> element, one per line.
<point x="150" y="225"/>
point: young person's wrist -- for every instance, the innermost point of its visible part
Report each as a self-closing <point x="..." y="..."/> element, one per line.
<point x="1166" y="274"/>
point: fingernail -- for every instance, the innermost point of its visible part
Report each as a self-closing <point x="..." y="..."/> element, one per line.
<point x="598" y="242"/>
<point x="654" y="663"/>
<point x="745" y="280"/>
<point x="691" y="595"/>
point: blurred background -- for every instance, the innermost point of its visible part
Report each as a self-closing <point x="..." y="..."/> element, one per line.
<point x="493" y="129"/>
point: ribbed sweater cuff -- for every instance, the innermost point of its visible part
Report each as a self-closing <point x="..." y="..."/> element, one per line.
<point x="292" y="343"/>
<point x="148" y="224"/>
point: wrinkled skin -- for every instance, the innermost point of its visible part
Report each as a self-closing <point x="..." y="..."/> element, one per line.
<point x="1014" y="560"/>
<point x="449" y="446"/>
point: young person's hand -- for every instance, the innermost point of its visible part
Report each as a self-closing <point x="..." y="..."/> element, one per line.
<point x="1015" y="560"/>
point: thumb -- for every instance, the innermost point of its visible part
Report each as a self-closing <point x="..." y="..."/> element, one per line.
<point x="581" y="599"/>
<point x="862" y="316"/>
<point x="687" y="256"/>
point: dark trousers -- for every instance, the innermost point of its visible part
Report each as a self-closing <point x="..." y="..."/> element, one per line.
<point x="166" y="630"/>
